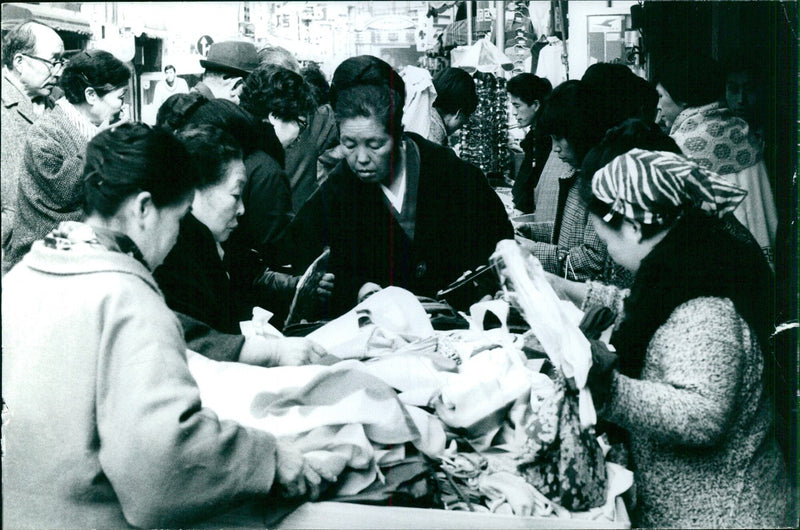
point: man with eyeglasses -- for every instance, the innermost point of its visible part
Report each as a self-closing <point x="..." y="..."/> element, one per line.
<point x="32" y="65"/>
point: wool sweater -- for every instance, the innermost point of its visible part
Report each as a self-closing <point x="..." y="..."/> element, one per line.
<point x="50" y="182"/>
<point x="700" y="423"/>
<point x="105" y="427"/>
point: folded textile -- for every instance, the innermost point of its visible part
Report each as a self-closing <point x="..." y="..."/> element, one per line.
<point x="338" y="413"/>
<point x="397" y="314"/>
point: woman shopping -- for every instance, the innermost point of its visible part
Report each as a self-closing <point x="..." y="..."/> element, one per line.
<point x="105" y="428"/>
<point x="195" y="276"/>
<point x="696" y="379"/>
<point x="398" y="210"/>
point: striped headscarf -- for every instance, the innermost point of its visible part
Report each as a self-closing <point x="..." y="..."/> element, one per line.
<point x="651" y="187"/>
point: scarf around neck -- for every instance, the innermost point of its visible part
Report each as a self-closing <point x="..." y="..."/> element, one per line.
<point x="74" y="235"/>
<point x="716" y="139"/>
<point x="698" y="257"/>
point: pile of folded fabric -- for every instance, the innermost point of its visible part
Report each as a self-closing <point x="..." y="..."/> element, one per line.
<point x="466" y="407"/>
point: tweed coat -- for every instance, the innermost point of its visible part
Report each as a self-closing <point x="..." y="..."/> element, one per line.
<point x="50" y="182"/>
<point x="17" y="116"/>
<point x="700" y="423"/>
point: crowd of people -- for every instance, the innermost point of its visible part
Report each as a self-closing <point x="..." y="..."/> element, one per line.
<point x="124" y="244"/>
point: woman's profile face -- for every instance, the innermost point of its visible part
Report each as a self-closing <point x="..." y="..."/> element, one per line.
<point x="563" y="149"/>
<point x="667" y="109"/>
<point x="107" y="106"/>
<point x="368" y="149"/>
<point x="623" y="243"/>
<point x="219" y="206"/>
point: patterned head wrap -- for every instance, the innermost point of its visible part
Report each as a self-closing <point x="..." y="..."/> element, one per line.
<point x="650" y="186"/>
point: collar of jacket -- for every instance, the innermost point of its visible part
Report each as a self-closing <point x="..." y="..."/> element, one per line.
<point x="85" y="260"/>
<point x="13" y="97"/>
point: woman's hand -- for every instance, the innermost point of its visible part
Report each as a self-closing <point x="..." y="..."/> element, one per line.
<point x="325" y="286"/>
<point x="295" y="475"/>
<point x="297" y="351"/>
<point x="289" y="351"/>
<point x="575" y="292"/>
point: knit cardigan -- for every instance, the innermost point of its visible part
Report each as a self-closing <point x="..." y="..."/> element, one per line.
<point x="700" y="423"/>
<point x="50" y="182"/>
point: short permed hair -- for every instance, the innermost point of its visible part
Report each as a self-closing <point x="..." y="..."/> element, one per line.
<point x="279" y="56"/>
<point x="694" y="80"/>
<point x="20" y="39"/>
<point x="211" y="150"/>
<point x="319" y="85"/>
<point x="94" y="68"/>
<point x="272" y="89"/>
<point x="455" y="91"/>
<point x="529" y="88"/>
<point x="170" y="67"/>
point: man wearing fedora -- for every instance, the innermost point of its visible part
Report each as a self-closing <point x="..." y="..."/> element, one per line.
<point x="226" y="65"/>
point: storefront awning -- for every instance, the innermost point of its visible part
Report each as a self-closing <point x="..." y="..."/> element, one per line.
<point x="58" y="19"/>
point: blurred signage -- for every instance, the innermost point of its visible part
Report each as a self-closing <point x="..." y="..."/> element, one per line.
<point x="203" y="44"/>
<point x="313" y="12"/>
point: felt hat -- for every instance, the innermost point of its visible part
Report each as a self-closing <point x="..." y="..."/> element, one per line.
<point x="235" y="57"/>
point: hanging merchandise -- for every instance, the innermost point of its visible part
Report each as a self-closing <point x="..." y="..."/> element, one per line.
<point x="484" y="139"/>
<point x="553" y="62"/>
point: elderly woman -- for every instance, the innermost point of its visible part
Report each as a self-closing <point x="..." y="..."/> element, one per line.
<point x="106" y="428"/>
<point x="195" y="276"/>
<point x="398" y="210"/>
<point x="695" y="384"/>
<point x="50" y="190"/>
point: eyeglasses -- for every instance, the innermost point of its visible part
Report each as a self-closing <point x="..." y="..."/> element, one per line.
<point x="51" y="65"/>
<point x="302" y="123"/>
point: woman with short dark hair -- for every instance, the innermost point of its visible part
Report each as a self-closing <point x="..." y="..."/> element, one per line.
<point x="94" y="84"/>
<point x="108" y="429"/>
<point x="280" y="99"/>
<point x="196" y="277"/>
<point x="456" y="100"/>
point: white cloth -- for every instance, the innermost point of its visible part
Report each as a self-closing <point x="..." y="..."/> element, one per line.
<point x="550" y="65"/>
<point x="337" y="414"/>
<point x="420" y="95"/>
<point x="757" y="211"/>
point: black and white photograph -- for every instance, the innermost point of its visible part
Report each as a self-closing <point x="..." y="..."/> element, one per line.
<point x="504" y="264"/>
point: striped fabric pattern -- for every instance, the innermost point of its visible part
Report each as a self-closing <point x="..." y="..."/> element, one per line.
<point x="649" y="186"/>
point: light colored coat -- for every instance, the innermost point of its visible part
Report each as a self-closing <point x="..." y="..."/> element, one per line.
<point x="700" y="422"/>
<point x="104" y="425"/>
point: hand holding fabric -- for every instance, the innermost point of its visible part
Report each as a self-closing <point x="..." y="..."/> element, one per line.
<point x="296" y="351"/>
<point x="604" y="363"/>
<point x="290" y="351"/>
<point x="325" y="286"/>
<point x="295" y="476"/>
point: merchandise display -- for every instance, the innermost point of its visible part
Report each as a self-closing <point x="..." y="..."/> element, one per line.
<point x="484" y="139"/>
